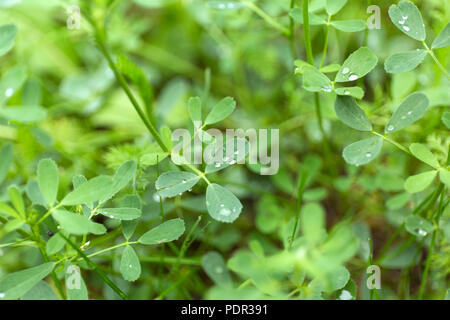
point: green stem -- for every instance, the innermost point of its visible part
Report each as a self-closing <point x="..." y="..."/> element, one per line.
<point x="431" y="53"/>
<point x="398" y="145"/>
<point x="172" y="287"/>
<point x="427" y="266"/>
<point x="306" y="32"/>
<point x="300" y="191"/>
<point x="325" y="46"/>
<point x="292" y="31"/>
<point x="266" y="17"/>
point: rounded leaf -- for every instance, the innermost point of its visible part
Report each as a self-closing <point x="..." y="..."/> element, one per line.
<point x="406" y="17"/>
<point x="171" y="184"/>
<point x="411" y="110"/>
<point x="362" y="152"/>
<point x="351" y="114"/>
<point x="222" y="205"/>
<point x="167" y="231"/>
<point x="420" y="181"/>
<point x="130" y="267"/>
<point x="404" y="61"/>
<point x="357" y="65"/>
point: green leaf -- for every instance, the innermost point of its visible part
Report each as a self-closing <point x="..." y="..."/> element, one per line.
<point x="411" y="110"/>
<point x="5" y="209"/>
<point x="398" y="201"/>
<point x="96" y="189"/>
<point x="75" y="286"/>
<point x="166" y="136"/>
<point x="444" y="176"/>
<point x="300" y="64"/>
<point x="121" y="178"/>
<point x="195" y="109"/>
<point x="167" y="231"/>
<point x="11" y="82"/>
<point x="15" y="285"/>
<point x="41" y="291"/>
<point x="422" y="153"/>
<point x="349" y="25"/>
<point x="129" y="226"/>
<point x="55" y="244"/>
<point x="312" y="222"/>
<point x="355" y="92"/>
<point x="130" y="267"/>
<point x="362" y="152"/>
<point x="215" y="267"/>
<point x="404" y="61"/>
<point x="16" y="198"/>
<point x="420" y="181"/>
<point x="77" y="224"/>
<point x="8" y="34"/>
<point x="351" y="114"/>
<point x="315" y="81"/>
<point x="446" y="119"/>
<point x="357" y="65"/>
<point x="221" y="110"/>
<point x="334" y="6"/>
<point x="222" y="205"/>
<point x="121" y="213"/>
<point x="34" y="193"/>
<point x="314" y="20"/>
<point x="48" y="180"/>
<point x="5" y="160"/>
<point x="154" y="157"/>
<point x="418" y="226"/>
<point x="443" y="39"/>
<point x="330" y="68"/>
<point x="25" y="114"/>
<point x="408" y="19"/>
<point x="171" y="184"/>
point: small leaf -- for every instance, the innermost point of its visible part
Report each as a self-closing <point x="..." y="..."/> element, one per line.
<point x="398" y="201"/>
<point x="363" y="151"/>
<point x="171" y="184"/>
<point x="422" y="153"/>
<point x="221" y="110"/>
<point x="300" y="64"/>
<point x="408" y="19"/>
<point x="418" y="226"/>
<point x="443" y="39"/>
<point x="312" y="222"/>
<point x="15" y="285"/>
<point x="121" y="178"/>
<point x="55" y="244"/>
<point x="48" y="180"/>
<point x="17" y="200"/>
<point x="93" y="190"/>
<point x="334" y="6"/>
<point x="445" y="119"/>
<point x="195" y="109"/>
<point x="41" y="291"/>
<point x="120" y="213"/>
<point x="222" y="205"/>
<point x="420" y="181"/>
<point x="6" y="209"/>
<point x="167" y="231"/>
<point x="77" y="224"/>
<point x="11" y="82"/>
<point x="444" y="176"/>
<point x="130" y="267"/>
<point x="129" y="226"/>
<point x="357" y="65"/>
<point x="25" y="114"/>
<point x="8" y="33"/>
<point x="34" y="193"/>
<point x="330" y="68"/>
<point x="315" y="81"/>
<point x="314" y="20"/>
<point x="411" y="110"/>
<point x="6" y="159"/>
<point x="355" y="92"/>
<point x="405" y="61"/>
<point x="349" y="25"/>
<point x="215" y="267"/>
<point x="351" y="114"/>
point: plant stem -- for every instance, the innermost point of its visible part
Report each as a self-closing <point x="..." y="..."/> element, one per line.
<point x="292" y="31"/>
<point x="266" y="17"/>
<point x="431" y="53"/>
<point x="398" y="145"/>
<point x="306" y="32"/>
<point x="300" y="191"/>
<point x="427" y="266"/>
<point x="325" y="46"/>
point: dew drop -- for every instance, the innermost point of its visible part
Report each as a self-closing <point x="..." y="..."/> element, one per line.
<point x="219" y="269"/>
<point x="217" y="165"/>
<point x="326" y="89"/>
<point x="390" y="128"/>
<point x="405" y="17"/>
<point x="368" y="154"/>
<point x="9" y="92"/>
<point x="156" y="197"/>
<point x="345" y="295"/>
<point x="401" y="22"/>
<point x="2" y="295"/>
<point x="225" y="212"/>
<point x="222" y="205"/>
<point x="130" y="266"/>
<point x="409" y="113"/>
<point x="421" y="232"/>
<point x="346" y="92"/>
<point x="345" y="70"/>
<point x="184" y="181"/>
<point x="353" y="77"/>
<point x="232" y="162"/>
<point x="406" y="28"/>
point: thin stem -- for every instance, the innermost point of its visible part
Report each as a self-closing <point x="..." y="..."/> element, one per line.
<point x="398" y="145"/>
<point x="292" y="31"/>
<point x="431" y="53"/>
<point x="49" y="212"/>
<point x="427" y="266"/>
<point x="300" y="191"/>
<point x="266" y="17"/>
<point x="306" y="32"/>
<point x="111" y="248"/>
<point x="325" y="46"/>
<point x="172" y="287"/>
